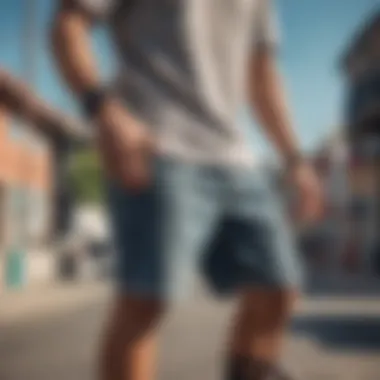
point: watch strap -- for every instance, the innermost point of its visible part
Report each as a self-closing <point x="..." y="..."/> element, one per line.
<point x="92" y="100"/>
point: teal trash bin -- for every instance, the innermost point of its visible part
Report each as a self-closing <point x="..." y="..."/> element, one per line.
<point x="15" y="269"/>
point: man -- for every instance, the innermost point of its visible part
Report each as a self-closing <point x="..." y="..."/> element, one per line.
<point x="182" y="182"/>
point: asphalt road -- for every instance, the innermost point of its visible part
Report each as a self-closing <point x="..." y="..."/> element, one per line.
<point x="323" y="344"/>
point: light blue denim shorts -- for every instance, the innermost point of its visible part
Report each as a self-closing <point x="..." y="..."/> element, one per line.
<point x="224" y="223"/>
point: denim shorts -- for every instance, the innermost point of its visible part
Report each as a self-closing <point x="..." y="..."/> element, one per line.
<point x="225" y="223"/>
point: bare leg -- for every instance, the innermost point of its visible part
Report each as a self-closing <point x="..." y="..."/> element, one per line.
<point x="258" y="332"/>
<point x="129" y="351"/>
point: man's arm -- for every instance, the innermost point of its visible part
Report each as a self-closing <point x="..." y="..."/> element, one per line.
<point x="124" y="143"/>
<point x="268" y="101"/>
<point x="266" y="91"/>
<point x="21" y="100"/>
<point x="71" y="42"/>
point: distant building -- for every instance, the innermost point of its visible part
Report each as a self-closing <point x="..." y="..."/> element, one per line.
<point x="25" y="176"/>
<point x="350" y="193"/>
<point x="330" y="162"/>
<point x="361" y="65"/>
<point x="363" y="54"/>
<point x="33" y="146"/>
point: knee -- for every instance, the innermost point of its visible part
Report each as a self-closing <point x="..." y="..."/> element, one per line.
<point x="134" y="317"/>
<point x="272" y="306"/>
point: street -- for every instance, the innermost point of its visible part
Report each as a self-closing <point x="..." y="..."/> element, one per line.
<point x="326" y="342"/>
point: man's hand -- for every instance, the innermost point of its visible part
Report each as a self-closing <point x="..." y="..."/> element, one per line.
<point x="125" y="145"/>
<point x="309" y="198"/>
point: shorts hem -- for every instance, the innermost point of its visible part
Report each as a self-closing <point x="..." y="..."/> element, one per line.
<point x="147" y="292"/>
<point x="223" y="292"/>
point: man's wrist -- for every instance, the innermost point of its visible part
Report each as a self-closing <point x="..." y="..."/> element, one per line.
<point x="294" y="160"/>
<point x="92" y="101"/>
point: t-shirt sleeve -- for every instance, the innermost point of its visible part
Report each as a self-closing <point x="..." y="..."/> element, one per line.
<point x="96" y="9"/>
<point x="266" y="30"/>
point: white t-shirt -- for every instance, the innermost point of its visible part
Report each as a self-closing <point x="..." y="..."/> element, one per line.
<point x="183" y="69"/>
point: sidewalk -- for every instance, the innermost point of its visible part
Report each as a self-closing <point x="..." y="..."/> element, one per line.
<point x="52" y="299"/>
<point x="343" y="285"/>
<point x="48" y="300"/>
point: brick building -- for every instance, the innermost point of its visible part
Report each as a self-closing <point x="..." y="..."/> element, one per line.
<point x="33" y="142"/>
<point x="25" y="166"/>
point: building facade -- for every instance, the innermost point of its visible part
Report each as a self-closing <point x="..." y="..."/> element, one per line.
<point x="361" y="67"/>
<point x="25" y="173"/>
<point x="363" y="54"/>
<point x="33" y="141"/>
<point x="348" y="227"/>
<point x="25" y="193"/>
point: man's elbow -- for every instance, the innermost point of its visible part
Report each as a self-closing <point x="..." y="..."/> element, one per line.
<point x="263" y="64"/>
<point x="263" y="71"/>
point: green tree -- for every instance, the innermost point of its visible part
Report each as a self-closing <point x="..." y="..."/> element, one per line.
<point x="85" y="176"/>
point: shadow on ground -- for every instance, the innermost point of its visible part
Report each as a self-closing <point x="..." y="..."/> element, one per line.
<point x="343" y="333"/>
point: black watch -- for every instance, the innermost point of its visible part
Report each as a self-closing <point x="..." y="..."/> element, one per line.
<point x="92" y="101"/>
<point x="294" y="160"/>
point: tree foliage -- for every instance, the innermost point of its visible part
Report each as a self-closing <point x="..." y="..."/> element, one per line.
<point x="85" y="176"/>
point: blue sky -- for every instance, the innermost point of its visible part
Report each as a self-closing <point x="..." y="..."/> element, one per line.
<point x="313" y="34"/>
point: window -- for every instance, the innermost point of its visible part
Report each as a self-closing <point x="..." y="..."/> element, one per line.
<point x="17" y="213"/>
<point x="27" y="215"/>
<point x="37" y="218"/>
